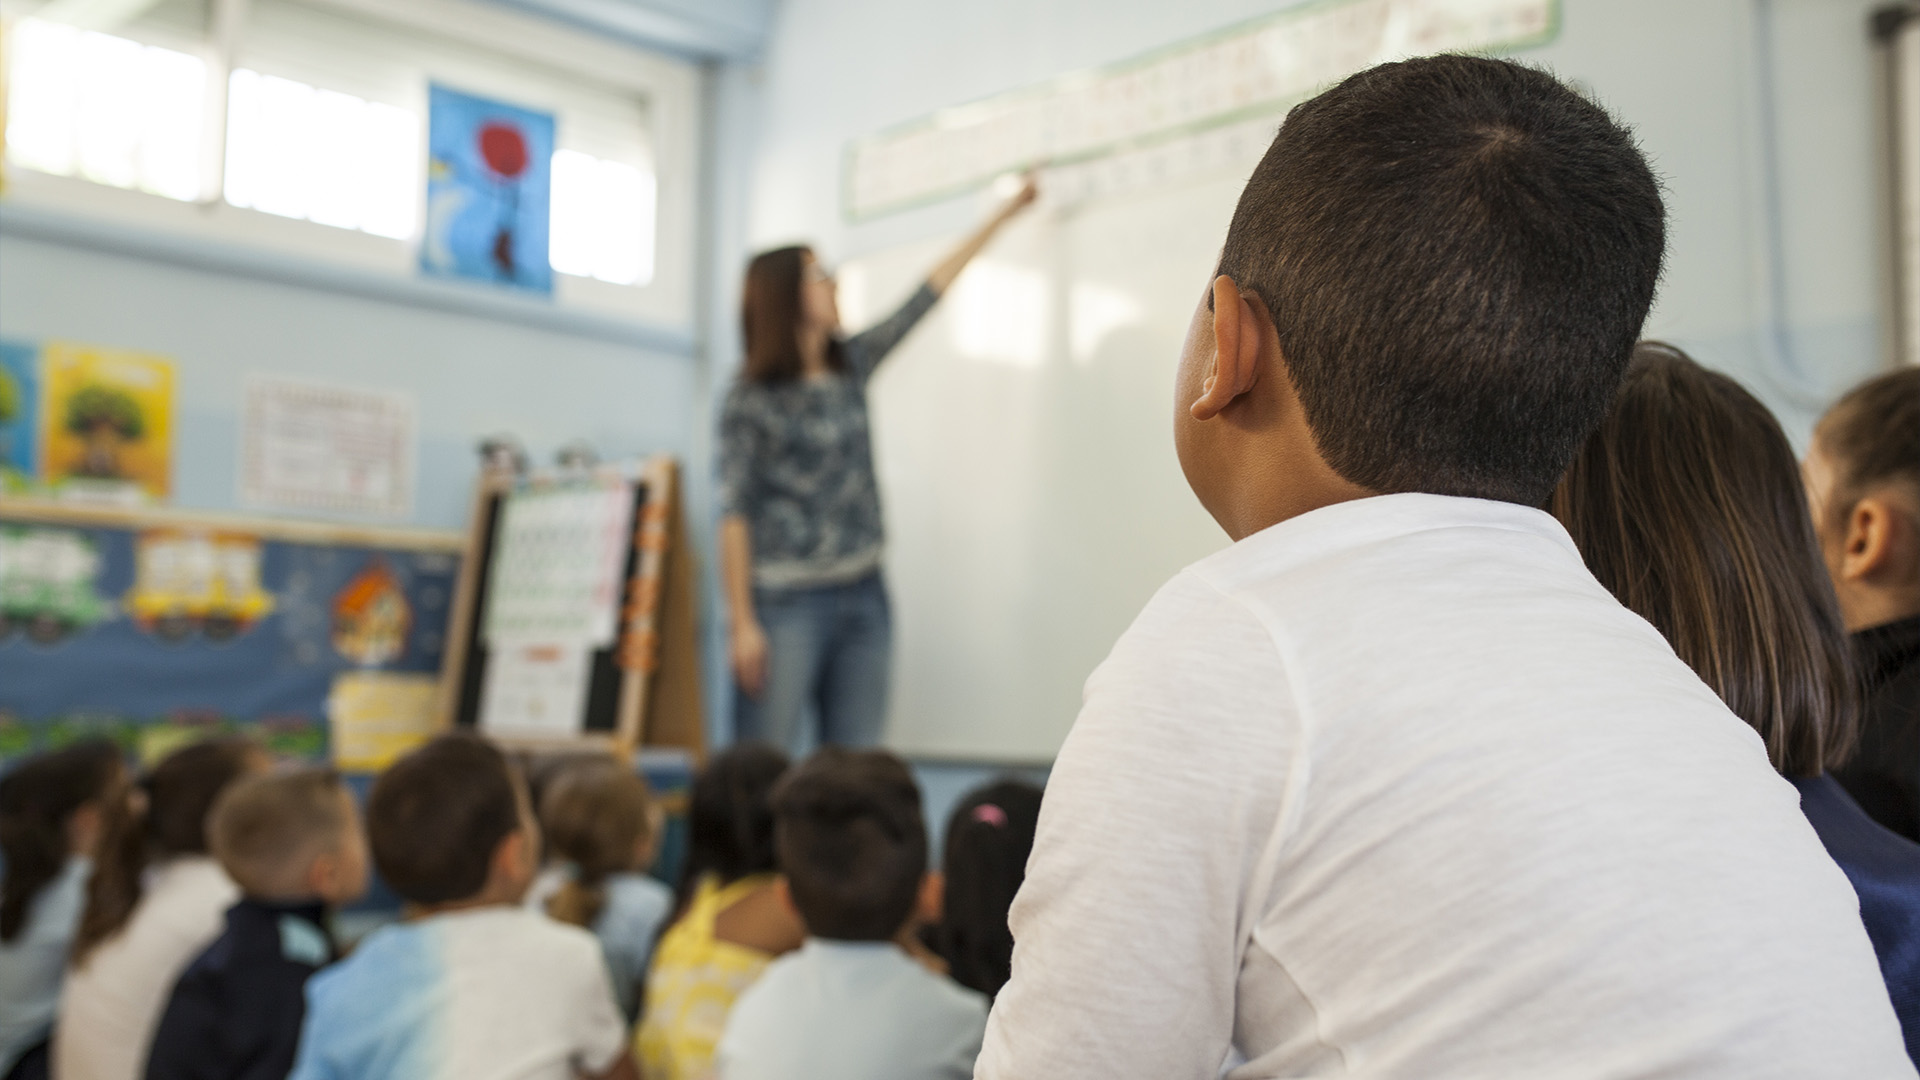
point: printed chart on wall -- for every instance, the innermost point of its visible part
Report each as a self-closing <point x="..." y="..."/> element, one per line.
<point x="153" y="627"/>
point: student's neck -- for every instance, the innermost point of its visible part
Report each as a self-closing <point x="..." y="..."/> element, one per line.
<point x="488" y="897"/>
<point x="1280" y="485"/>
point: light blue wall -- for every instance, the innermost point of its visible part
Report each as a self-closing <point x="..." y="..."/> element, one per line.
<point x="1691" y="76"/>
<point x="470" y="376"/>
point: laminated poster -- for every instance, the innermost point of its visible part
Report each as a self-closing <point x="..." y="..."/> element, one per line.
<point x="106" y="421"/>
<point x="489" y="177"/>
<point x="19" y="406"/>
<point x="312" y="446"/>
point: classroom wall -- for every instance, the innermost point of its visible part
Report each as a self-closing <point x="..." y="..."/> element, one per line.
<point x="1699" y="80"/>
<point x="1760" y="116"/>
<point x="470" y="376"/>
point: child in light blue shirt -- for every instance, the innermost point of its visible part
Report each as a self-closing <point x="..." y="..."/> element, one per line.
<point x="853" y="1003"/>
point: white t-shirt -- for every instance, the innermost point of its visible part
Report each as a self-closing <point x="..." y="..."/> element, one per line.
<point x="1395" y="789"/>
<point x="111" y="1003"/>
<point x="851" y="1010"/>
<point x="489" y="993"/>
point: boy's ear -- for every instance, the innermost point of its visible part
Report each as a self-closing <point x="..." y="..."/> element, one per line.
<point x="1869" y="541"/>
<point x="1239" y="328"/>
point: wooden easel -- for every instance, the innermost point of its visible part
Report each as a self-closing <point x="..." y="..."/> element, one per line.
<point x="655" y="657"/>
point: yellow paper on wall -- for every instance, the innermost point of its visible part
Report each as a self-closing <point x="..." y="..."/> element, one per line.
<point x="376" y="716"/>
<point x="106" y="419"/>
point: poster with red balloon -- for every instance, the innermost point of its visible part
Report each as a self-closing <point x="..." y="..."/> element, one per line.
<point x="488" y="188"/>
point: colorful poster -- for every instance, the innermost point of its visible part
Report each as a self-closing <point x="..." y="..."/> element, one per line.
<point x="311" y="446"/>
<point x="489" y="179"/>
<point x="19" y="405"/>
<point x="376" y="716"/>
<point x="106" y="420"/>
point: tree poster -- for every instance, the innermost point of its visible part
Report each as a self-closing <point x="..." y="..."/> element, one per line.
<point x="106" y="420"/>
<point x="489" y="167"/>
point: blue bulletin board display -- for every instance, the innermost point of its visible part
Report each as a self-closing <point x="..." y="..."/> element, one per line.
<point x="19" y="406"/>
<point x="489" y="186"/>
<point x="157" y="627"/>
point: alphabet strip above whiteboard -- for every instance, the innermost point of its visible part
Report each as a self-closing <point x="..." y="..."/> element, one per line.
<point x="1251" y="70"/>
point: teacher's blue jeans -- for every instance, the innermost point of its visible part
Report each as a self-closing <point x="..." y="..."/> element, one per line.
<point x="829" y="658"/>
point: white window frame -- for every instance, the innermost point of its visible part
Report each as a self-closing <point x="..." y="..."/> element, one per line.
<point x="208" y="231"/>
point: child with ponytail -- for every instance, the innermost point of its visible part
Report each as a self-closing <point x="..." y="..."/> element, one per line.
<point x="51" y="808"/>
<point x="155" y="900"/>
<point x="602" y="829"/>
<point x="989" y="836"/>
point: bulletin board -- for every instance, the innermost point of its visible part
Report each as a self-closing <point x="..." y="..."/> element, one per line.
<point x="157" y="626"/>
<point x="573" y="625"/>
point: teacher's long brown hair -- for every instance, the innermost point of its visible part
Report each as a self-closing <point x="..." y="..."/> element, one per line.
<point x="1687" y="504"/>
<point x="770" y="316"/>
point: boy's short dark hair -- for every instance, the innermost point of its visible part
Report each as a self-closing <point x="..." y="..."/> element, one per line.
<point x="1458" y="254"/>
<point x="1873" y="437"/>
<point x="852" y="843"/>
<point x="436" y="816"/>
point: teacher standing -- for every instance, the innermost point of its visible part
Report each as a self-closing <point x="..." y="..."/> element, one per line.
<point x="800" y="532"/>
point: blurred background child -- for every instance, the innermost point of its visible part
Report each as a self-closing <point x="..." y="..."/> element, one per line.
<point x="470" y="984"/>
<point x="852" y="1003"/>
<point x="729" y="919"/>
<point x="602" y="829"/>
<point x="293" y="844"/>
<point x="154" y="901"/>
<point x="51" y="810"/>
<point x="984" y="860"/>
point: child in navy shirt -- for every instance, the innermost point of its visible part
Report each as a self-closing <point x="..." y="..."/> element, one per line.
<point x="293" y="843"/>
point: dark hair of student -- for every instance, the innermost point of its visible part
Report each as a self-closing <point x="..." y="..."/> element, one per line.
<point x="1458" y="254"/>
<point x="989" y="836"/>
<point x="851" y="842"/>
<point x="38" y="798"/>
<point x="730" y="816"/>
<point x="770" y="315"/>
<point x="436" y="816"/>
<point x="594" y="816"/>
<point x="163" y="816"/>
<point x="1872" y="435"/>
<point x="1687" y="505"/>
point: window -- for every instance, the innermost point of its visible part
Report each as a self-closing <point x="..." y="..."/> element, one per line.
<point x="106" y="109"/>
<point x="328" y="157"/>
<point x="326" y="124"/>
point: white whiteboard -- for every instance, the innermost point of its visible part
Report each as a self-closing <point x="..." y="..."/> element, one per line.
<point x="1024" y="441"/>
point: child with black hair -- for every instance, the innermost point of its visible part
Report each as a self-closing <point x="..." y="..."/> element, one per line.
<point x="983" y="861"/>
<point x="469" y="984"/>
<point x="853" y="1003"/>
<point x="1370" y="791"/>
<point x="292" y="841"/>
<point x="730" y="921"/>
<point x="155" y="900"/>
<point x="52" y="807"/>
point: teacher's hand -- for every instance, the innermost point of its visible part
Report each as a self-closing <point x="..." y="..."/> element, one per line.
<point x="750" y="656"/>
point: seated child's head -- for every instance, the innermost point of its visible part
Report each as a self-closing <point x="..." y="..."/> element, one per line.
<point x="984" y="859"/>
<point x="1863" y="478"/>
<point x="1431" y="283"/>
<point x="730" y="815"/>
<point x="291" y="836"/>
<point x="1686" y="503"/>
<point x="851" y="843"/>
<point x="161" y="817"/>
<point x="597" y="818"/>
<point x="450" y="826"/>
<point x="51" y="809"/>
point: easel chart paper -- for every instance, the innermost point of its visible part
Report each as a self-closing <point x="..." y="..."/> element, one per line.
<point x="556" y="577"/>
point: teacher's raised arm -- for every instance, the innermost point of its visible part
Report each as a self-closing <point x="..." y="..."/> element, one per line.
<point x="800" y="532"/>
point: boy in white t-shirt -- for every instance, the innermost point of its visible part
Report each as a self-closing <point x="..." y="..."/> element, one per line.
<point x="471" y="984"/>
<point x="1392" y="787"/>
<point x="851" y="1003"/>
